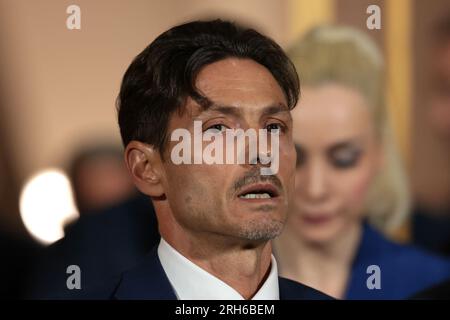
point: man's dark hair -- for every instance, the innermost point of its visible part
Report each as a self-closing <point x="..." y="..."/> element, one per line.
<point x="162" y="77"/>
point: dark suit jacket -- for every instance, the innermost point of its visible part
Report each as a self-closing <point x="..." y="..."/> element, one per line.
<point x="149" y="281"/>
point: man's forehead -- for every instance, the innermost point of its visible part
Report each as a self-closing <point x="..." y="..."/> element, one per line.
<point x="237" y="76"/>
<point x="235" y="86"/>
<point x="232" y="68"/>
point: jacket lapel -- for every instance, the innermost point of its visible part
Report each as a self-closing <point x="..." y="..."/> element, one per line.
<point x="291" y="290"/>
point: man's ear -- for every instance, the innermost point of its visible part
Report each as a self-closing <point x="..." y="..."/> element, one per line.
<point x="144" y="164"/>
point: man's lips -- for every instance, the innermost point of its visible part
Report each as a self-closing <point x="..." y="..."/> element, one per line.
<point x="259" y="191"/>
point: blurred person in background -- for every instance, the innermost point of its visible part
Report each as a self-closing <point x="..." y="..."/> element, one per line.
<point x="431" y="216"/>
<point x="99" y="178"/>
<point x="116" y="227"/>
<point x="349" y="179"/>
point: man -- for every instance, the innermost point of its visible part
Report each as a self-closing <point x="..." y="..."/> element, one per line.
<point x="216" y="220"/>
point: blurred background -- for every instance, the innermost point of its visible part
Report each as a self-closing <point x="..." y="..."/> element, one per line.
<point x="58" y="128"/>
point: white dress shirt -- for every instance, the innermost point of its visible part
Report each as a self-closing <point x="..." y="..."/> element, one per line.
<point x="190" y="282"/>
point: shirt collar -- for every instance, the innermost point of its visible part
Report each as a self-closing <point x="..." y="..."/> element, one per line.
<point x="190" y="282"/>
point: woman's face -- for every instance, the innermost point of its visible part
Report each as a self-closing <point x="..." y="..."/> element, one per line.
<point x="338" y="157"/>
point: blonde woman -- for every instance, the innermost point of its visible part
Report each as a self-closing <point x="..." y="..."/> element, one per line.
<point x="349" y="181"/>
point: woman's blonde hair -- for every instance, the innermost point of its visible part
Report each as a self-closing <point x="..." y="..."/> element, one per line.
<point x="347" y="56"/>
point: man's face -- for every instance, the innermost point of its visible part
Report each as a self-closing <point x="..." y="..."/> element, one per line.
<point x="233" y="200"/>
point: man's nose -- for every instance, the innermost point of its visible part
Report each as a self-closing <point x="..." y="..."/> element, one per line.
<point x="260" y="153"/>
<point x="260" y="159"/>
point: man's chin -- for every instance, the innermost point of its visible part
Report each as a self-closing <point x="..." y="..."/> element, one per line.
<point x="255" y="210"/>
<point x="261" y="230"/>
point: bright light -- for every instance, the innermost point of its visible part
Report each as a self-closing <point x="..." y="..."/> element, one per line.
<point x="46" y="204"/>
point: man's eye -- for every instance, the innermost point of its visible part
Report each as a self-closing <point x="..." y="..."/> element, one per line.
<point x="274" y="126"/>
<point x="216" y="128"/>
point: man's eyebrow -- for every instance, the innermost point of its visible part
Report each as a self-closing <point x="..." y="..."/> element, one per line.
<point x="225" y="109"/>
<point x="273" y="109"/>
<point x="237" y="111"/>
